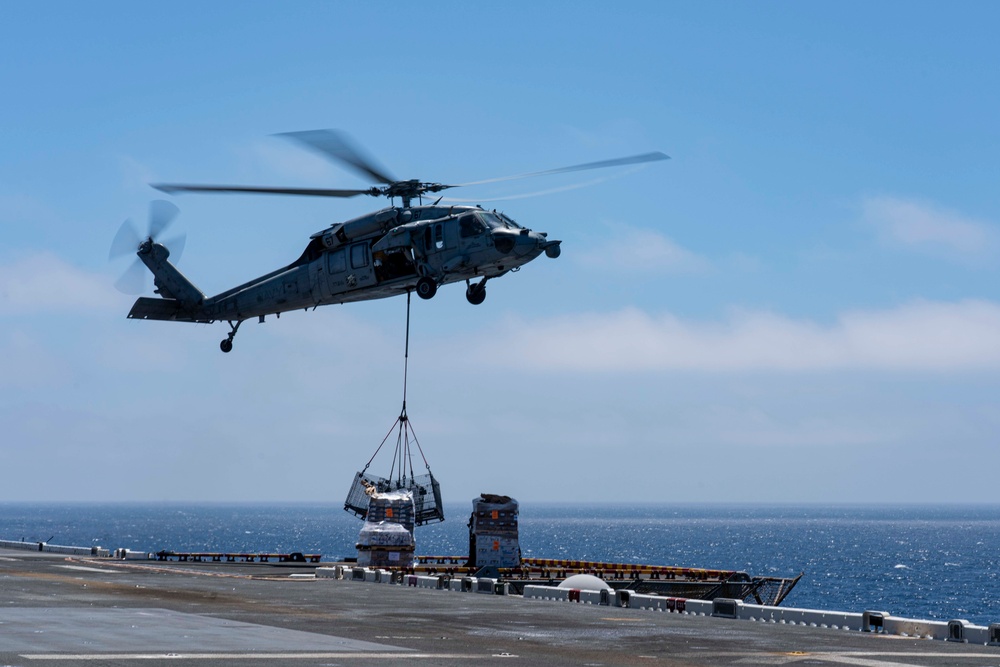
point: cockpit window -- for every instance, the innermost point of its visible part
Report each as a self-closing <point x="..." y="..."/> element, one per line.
<point x="359" y="255"/>
<point x="469" y="225"/>
<point x="497" y="220"/>
<point x="509" y="221"/>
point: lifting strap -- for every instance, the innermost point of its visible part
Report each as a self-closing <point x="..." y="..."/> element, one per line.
<point x="403" y="456"/>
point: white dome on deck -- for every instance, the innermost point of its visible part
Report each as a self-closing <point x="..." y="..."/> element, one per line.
<point x="585" y="582"/>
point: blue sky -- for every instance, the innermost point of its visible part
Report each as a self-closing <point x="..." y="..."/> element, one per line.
<point x="802" y="305"/>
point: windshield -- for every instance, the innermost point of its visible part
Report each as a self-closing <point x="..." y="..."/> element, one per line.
<point x="496" y="220"/>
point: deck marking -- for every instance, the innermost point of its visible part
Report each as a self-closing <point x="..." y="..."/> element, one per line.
<point x="861" y="662"/>
<point x="104" y="657"/>
<point x="853" y="658"/>
<point x="88" y="569"/>
<point x="844" y="659"/>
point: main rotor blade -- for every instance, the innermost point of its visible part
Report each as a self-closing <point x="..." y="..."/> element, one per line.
<point x="616" y="162"/>
<point x="176" y="188"/>
<point x="336" y="145"/>
<point x="538" y="193"/>
<point x="126" y="241"/>
<point x="161" y="214"/>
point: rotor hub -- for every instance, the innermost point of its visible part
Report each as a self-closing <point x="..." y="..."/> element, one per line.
<point x="408" y="190"/>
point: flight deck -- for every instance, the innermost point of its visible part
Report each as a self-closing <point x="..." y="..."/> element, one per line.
<point x="79" y="610"/>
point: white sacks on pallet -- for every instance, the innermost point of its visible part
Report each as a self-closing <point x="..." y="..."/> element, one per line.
<point x="386" y="539"/>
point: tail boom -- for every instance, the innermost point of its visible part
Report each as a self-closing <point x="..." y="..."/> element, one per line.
<point x="181" y="301"/>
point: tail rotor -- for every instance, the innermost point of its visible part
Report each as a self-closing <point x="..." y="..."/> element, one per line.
<point x="128" y="240"/>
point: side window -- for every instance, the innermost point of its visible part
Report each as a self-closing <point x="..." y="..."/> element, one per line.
<point x="439" y="236"/>
<point x="469" y="225"/>
<point x="359" y="256"/>
<point x="427" y="238"/>
<point x="336" y="262"/>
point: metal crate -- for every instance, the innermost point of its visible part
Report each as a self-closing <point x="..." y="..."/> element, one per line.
<point x="425" y="490"/>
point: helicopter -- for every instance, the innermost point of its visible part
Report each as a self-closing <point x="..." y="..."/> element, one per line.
<point x="389" y="252"/>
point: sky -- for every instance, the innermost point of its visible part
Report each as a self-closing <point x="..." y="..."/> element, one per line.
<point x="800" y="306"/>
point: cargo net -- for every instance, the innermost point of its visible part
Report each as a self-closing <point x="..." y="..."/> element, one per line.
<point x="771" y="590"/>
<point x="424" y="488"/>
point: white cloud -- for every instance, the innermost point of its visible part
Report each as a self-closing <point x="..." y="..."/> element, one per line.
<point x="635" y="249"/>
<point x="929" y="228"/>
<point x="44" y="282"/>
<point x="920" y="336"/>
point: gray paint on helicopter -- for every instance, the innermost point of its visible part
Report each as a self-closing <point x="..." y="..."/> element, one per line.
<point x="378" y="255"/>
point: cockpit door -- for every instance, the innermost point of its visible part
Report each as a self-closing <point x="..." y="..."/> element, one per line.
<point x="441" y="235"/>
<point x="471" y="233"/>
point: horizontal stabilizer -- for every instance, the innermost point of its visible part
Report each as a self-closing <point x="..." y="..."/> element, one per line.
<point x="147" y="308"/>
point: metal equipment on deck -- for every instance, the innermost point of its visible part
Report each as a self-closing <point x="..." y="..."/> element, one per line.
<point x="493" y="537"/>
<point x="494" y="552"/>
<point x="680" y="582"/>
<point x="215" y="557"/>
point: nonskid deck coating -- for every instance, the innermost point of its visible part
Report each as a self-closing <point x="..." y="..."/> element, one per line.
<point x="82" y="630"/>
<point x="256" y="612"/>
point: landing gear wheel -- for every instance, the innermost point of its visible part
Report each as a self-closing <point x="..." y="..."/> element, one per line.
<point x="426" y="288"/>
<point x="227" y="343"/>
<point x="475" y="295"/>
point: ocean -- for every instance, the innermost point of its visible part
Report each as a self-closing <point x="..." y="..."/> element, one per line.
<point x="929" y="562"/>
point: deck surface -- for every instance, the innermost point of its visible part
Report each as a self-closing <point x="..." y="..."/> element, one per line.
<point x="64" y="611"/>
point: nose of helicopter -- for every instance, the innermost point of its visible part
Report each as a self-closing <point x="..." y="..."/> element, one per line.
<point x="535" y="243"/>
<point x="526" y="244"/>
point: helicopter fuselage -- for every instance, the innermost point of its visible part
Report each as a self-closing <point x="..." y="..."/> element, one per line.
<point x="388" y="252"/>
<point x="374" y="256"/>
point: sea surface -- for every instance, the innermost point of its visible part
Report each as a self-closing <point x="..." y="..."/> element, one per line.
<point x="928" y="562"/>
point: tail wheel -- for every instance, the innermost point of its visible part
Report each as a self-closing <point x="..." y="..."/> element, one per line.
<point x="226" y="345"/>
<point x="426" y="288"/>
